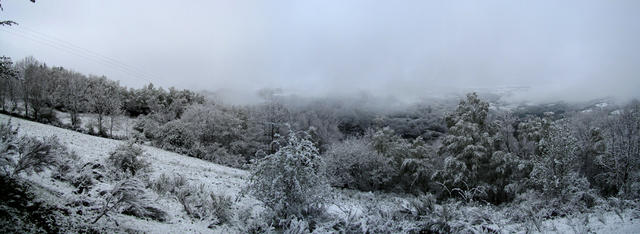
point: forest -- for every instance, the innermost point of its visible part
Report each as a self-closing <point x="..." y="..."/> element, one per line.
<point x="460" y="164"/>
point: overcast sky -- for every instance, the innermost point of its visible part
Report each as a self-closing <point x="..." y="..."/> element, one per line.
<point x="562" y="49"/>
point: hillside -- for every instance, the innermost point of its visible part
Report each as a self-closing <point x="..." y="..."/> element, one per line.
<point x="347" y="207"/>
<point x="221" y="179"/>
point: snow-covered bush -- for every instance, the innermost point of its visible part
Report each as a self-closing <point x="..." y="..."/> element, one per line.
<point x="176" y="136"/>
<point x="127" y="194"/>
<point x="168" y="185"/>
<point x="148" y="126"/>
<point x="216" y="153"/>
<point x="297" y="226"/>
<point x="27" y="154"/>
<point x="353" y="163"/>
<point x="197" y="201"/>
<point x="255" y="222"/>
<point x="291" y="182"/>
<point x="410" y="163"/>
<point x="129" y="159"/>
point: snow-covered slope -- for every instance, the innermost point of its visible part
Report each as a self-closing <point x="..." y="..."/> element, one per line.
<point x="219" y="179"/>
<point x="229" y="181"/>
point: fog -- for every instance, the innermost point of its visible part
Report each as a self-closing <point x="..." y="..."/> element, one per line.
<point x="569" y="50"/>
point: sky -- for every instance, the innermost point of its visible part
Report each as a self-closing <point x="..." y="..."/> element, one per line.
<point x="407" y="49"/>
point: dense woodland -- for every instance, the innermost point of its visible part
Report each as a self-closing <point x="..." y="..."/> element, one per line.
<point x="555" y="160"/>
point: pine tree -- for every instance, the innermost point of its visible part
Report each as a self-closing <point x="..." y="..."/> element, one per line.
<point x="474" y="162"/>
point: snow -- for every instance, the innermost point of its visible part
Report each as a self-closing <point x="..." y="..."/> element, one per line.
<point x="229" y="181"/>
<point x="219" y="179"/>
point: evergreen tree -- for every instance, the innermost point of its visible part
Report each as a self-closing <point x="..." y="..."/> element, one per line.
<point x="474" y="162"/>
<point x="291" y="181"/>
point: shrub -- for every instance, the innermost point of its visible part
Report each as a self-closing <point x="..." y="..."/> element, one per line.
<point x="198" y="202"/>
<point x="127" y="194"/>
<point x="353" y="163"/>
<point x="129" y="159"/>
<point x="217" y="154"/>
<point x="27" y="154"/>
<point x="148" y="126"/>
<point x="176" y="136"/>
<point x="291" y="182"/>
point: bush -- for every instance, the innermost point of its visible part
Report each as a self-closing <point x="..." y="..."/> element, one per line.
<point x="126" y="195"/>
<point x="176" y="136"/>
<point x="27" y="154"/>
<point x="291" y="182"/>
<point x="198" y="202"/>
<point x="217" y="154"/>
<point x="148" y="126"/>
<point x="353" y="163"/>
<point x="129" y="159"/>
<point x="166" y="185"/>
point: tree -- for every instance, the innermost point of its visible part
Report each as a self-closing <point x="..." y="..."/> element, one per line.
<point x="74" y="93"/>
<point x="620" y="162"/>
<point x="473" y="159"/>
<point x="273" y="115"/>
<point x="558" y="159"/>
<point x="8" y="76"/>
<point x="8" y="22"/>
<point x="36" y="84"/>
<point x="291" y="181"/>
<point x="104" y="99"/>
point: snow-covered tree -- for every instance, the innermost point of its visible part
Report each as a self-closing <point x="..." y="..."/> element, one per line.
<point x="621" y="160"/>
<point x="104" y="99"/>
<point x="474" y="160"/>
<point x="291" y="181"/>
<point x="8" y="76"/>
<point x="558" y="160"/>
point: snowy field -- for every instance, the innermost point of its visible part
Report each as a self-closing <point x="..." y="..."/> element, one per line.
<point x="347" y="205"/>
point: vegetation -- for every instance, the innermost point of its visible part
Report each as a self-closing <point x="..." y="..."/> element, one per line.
<point x="439" y="162"/>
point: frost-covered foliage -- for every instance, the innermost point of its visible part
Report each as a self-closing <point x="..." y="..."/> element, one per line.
<point x="128" y="194"/>
<point x="176" y="136"/>
<point x="27" y="154"/>
<point x="147" y="126"/>
<point x="197" y="201"/>
<point x="353" y="163"/>
<point x="411" y="162"/>
<point x="291" y="182"/>
<point x="620" y="163"/>
<point x="555" y="171"/>
<point x="474" y="160"/>
<point x="129" y="159"/>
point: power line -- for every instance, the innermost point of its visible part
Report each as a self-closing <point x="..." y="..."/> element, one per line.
<point x="104" y="57"/>
<point x="68" y="49"/>
<point x="59" y="46"/>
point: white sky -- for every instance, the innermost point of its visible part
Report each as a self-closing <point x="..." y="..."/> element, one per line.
<point x="577" y="49"/>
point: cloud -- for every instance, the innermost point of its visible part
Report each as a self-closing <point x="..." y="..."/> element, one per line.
<point x="408" y="49"/>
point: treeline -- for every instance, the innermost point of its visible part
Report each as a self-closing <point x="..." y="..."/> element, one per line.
<point x="183" y="121"/>
<point x="495" y="156"/>
<point x="236" y="135"/>
<point x="34" y="90"/>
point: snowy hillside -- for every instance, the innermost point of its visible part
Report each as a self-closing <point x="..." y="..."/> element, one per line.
<point x="365" y="210"/>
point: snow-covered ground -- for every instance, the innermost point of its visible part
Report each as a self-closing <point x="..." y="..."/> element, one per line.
<point x="229" y="181"/>
<point x="219" y="179"/>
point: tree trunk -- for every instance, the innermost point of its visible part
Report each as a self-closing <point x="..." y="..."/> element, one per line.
<point x="111" y="127"/>
<point x="100" y="129"/>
